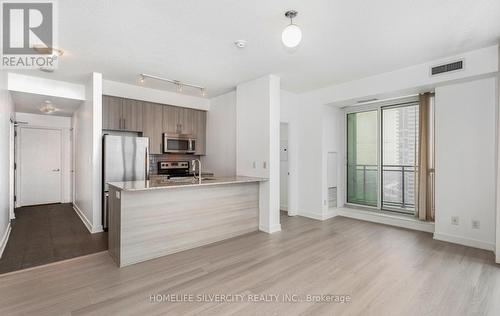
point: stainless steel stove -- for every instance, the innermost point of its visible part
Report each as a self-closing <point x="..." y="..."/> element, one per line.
<point x="174" y="169"/>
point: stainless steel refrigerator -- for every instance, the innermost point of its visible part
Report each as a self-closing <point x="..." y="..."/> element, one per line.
<point x="124" y="159"/>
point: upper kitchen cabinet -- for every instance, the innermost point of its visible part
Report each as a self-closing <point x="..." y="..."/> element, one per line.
<point x="171" y="120"/>
<point x="121" y="114"/>
<point x="152" y="116"/>
<point x="111" y="112"/>
<point x="187" y="121"/>
<point x="177" y="120"/>
<point x="200" y="129"/>
<point x="153" y="120"/>
<point x="132" y="115"/>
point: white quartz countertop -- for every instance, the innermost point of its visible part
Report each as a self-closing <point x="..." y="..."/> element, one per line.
<point x="159" y="183"/>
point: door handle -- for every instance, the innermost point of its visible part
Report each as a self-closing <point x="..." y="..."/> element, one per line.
<point x="56" y="170"/>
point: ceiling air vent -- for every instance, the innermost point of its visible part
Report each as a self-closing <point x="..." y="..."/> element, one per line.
<point x="458" y="65"/>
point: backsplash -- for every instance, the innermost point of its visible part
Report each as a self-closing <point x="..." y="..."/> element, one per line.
<point x="153" y="160"/>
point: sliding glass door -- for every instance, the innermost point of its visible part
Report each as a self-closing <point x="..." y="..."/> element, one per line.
<point x="362" y="163"/>
<point x="399" y="156"/>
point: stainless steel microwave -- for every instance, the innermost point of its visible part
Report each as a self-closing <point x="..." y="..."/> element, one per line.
<point x="178" y="144"/>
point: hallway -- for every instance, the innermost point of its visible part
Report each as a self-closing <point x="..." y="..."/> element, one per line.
<point x="48" y="233"/>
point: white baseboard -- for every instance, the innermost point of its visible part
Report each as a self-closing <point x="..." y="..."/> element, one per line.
<point x="307" y="214"/>
<point x="469" y="242"/>
<point x="270" y="230"/>
<point x="332" y="212"/>
<point x="5" y="238"/>
<point x="387" y="219"/>
<point x="86" y="222"/>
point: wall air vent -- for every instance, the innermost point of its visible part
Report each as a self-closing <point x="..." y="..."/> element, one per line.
<point x="458" y="65"/>
<point x="366" y="101"/>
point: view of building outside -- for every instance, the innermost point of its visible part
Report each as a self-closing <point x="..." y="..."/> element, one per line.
<point x="399" y="149"/>
<point x="362" y="169"/>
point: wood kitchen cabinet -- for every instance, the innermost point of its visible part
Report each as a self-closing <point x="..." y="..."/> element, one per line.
<point x="199" y="133"/>
<point x="170" y="119"/>
<point x="153" y="119"/>
<point x="121" y="114"/>
<point x="132" y="115"/>
<point x="152" y="124"/>
<point x="111" y="112"/>
<point x="177" y="120"/>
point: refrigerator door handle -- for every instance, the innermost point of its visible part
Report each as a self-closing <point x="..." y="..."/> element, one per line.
<point x="106" y="210"/>
<point x="146" y="174"/>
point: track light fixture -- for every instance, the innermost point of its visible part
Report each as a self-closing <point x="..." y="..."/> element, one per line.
<point x="180" y="85"/>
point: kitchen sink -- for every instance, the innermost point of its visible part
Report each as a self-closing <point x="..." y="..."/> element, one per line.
<point x="189" y="180"/>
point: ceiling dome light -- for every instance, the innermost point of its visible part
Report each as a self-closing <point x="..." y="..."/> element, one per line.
<point x="292" y="35"/>
<point x="47" y="107"/>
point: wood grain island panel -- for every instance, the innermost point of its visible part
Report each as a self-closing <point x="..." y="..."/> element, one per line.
<point x="147" y="224"/>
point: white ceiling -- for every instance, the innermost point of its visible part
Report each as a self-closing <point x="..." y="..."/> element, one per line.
<point x="31" y="103"/>
<point x="192" y="40"/>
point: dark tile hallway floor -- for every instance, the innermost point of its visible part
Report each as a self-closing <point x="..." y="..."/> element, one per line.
<point x="48" y="233"/>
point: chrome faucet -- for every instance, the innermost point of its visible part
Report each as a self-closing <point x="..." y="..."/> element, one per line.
<point x="193" y="164"/>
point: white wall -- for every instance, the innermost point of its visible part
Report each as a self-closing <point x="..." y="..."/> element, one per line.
<point x="310" y="161"/>
<point x="221" y="136"/>
<point x="87" y="129"/>
<point x="497" y="252"/>
<point x="64" y="124"/>
<point x="333" y="141"/>
<point x="414" y="79"/>
<point x="289" y="114"/>
<point x="257" y="142"/>
<point x="284" y="166"/>
<point x="136" y="92"/>
<point x="37" y="85"/>
<point x="6" y="113"/>
<point x="465" y="162"/>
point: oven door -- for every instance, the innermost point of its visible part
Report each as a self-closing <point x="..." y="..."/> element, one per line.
<point x="178" y="145"/>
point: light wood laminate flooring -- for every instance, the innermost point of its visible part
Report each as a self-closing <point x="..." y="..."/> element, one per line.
<point x="385" y="271"/>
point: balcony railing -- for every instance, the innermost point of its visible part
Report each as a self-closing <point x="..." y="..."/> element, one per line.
<point x="398" y="186"/>
<point x="362" y="184"/>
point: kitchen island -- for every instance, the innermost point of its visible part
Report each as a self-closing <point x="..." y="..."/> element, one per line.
<point x="153" y="218"/>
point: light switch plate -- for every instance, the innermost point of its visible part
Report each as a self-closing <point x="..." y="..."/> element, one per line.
<point x="476" y="224"/>
<point x="117" y="194"/>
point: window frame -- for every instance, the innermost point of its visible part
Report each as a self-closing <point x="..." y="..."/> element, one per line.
<point x="382" y="108"/>
<point x="374" y="106"/>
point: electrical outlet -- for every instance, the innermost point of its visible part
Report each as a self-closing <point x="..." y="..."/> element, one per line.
<point x="476" y="224"/>
<point x="454" y="220"/>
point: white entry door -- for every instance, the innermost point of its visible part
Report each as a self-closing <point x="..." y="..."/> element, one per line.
<point x="39" y="166"/>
